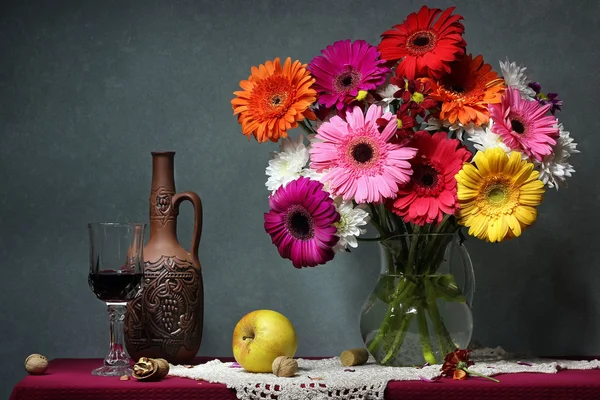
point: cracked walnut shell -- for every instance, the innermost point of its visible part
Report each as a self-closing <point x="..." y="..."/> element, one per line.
<point x="145" y="369"/>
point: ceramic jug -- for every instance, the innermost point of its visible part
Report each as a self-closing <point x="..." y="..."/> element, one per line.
<point x="165" y="320"/>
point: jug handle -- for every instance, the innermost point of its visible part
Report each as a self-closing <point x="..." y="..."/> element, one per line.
<point x="197" y="203"/>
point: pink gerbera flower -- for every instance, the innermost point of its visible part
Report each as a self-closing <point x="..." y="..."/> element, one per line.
<point x="344" y="69"/>
<point x="431" y="192"/>
<point x="361" y="163"/>
<point x="524" y="124"/>
<point x="301" y="222"/>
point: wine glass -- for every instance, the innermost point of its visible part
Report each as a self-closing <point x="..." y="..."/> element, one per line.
<point x="115" y="276"/>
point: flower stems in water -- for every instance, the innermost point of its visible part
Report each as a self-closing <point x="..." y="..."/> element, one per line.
<point x="424" y="336"/>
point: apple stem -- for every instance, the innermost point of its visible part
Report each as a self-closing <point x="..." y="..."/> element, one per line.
<point x="247" y="337"/>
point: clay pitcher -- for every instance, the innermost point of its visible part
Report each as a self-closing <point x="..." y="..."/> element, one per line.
<point x="165" y="320"/>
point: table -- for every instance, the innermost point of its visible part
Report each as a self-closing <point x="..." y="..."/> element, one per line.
<point x="70" y="379"/>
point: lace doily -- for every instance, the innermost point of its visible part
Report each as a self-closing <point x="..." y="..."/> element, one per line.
<point x="327" y="379"/>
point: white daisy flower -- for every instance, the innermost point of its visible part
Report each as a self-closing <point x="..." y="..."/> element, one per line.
<point x="514" y="76"/>
<point x="287" y="164"/>
<point x="486" y="139"/>
<point x="349" y="226"/>
<point x="434" y="124"/>
<point x="555" y="168"/>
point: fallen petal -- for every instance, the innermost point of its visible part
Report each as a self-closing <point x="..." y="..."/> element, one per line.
<point x="434" y="380"/>
<point x="524" y="363"/>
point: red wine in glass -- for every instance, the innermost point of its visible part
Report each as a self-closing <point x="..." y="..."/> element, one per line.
<point x="115" y="275"/>
<point x="115" y="286"/>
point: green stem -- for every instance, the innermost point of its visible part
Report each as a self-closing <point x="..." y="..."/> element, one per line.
<point x="445" y="343"/>
<point x="401" y="296"/>
<point x="308" y="129"/>
<point x="412" y="253"/>
<point x="424" y="336"/>
<point x="468" y="371"/>
<point x="361" y="239"/>
<point x="399" y="338"/>
<point x="376" y="222"/>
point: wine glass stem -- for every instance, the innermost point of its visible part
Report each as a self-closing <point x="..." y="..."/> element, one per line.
<point x="117" y="355"/>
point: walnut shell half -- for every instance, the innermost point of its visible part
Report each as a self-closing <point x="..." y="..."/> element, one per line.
<point x="146" y="369"/>
<point x="163" y="367"/>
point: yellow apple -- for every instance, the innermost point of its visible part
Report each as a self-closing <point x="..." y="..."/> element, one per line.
<point x="260" y="337"/>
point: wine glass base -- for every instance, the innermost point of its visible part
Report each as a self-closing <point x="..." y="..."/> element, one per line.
<point x="112" y="371"/>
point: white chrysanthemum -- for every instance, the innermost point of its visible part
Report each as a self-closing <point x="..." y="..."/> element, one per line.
<point x="486" y="139"/>
<point x="555" y="168"/>
<point x="349" y="226"/>
<point x="386" y="91"/>
<point x="434" y="124"/>
<point x="287" y="164"/>
<point x="317" y="176"/>
<point x="514" y="76"/>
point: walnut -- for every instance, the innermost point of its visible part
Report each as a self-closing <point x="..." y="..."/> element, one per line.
<point x="285" y="366"/>
<point x="145" y="369"/>
<point x="36" y="364"/>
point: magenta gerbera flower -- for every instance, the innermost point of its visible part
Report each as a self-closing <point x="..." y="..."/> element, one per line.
<point x="344" y="69"/>
<point x="301" y="222"/>
<point x="361" y="163"/>
<point x="524" y="124"/>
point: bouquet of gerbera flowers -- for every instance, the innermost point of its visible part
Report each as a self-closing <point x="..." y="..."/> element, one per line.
<point x="414" y="135"/>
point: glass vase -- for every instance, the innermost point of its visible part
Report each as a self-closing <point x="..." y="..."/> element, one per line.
<point x="420" y="308"/>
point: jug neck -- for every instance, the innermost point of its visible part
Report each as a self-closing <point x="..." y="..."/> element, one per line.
<point x="163" y="218"/>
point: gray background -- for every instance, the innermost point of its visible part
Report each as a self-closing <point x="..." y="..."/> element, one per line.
<point x="89" y="88"/>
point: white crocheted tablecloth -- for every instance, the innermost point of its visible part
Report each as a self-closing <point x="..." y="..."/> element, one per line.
<point x="327" y="379"/>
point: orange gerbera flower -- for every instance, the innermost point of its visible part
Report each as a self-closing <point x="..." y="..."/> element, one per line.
<point x="274" y="99"/>
<point x="467" y="90"/>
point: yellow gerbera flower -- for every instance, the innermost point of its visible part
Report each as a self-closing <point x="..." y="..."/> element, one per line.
<point x="498" y="196"/>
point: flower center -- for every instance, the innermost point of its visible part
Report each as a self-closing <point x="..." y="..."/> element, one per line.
<point x="347" y="80"/>
<point x="420" y="42"/>
<point x="417" y="97"/>
<point x="270" y="98"/>
<point x="517" y="126"/>
<point x="496" y="194"/>
<point x="276" y="100"/>
<point x="299" y="223"/>
<point x="362" y="153"/>
<point x="457" y="83"/>
<point x="426" y="179"/>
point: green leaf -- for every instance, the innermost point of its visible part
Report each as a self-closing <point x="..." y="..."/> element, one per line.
<point x="445" y="286"/>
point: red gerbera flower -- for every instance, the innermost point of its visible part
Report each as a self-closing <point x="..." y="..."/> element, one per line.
<point x="431" y="192"/>
<point x="426" y="46"/>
